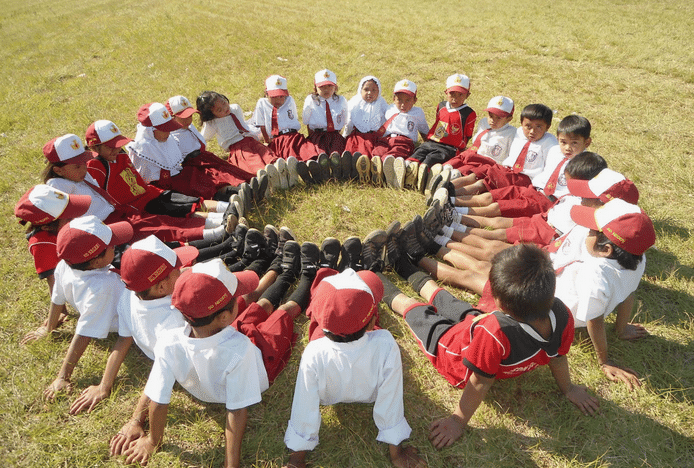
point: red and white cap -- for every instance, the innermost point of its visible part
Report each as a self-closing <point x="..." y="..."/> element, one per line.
<point x="501" y="106"/>
<point x="626" y="225"/>
<point x="607" y="185"/>
<point x="207" y="287"/>
<point x="458" y="82"/>
<point x="405" y="86"/>
<point x="276" y="85"/>
<point x="344" y="303"/>
<point x="325" y="77"/>
<point x="105" y="132"/>
<point x="148" y="261"/>
<point x="84" y="238"/>
<point x="158" y="116"/>
<point x="43" y="204"/>
<point x="180" y="107"/>
<point x="67" y="149"/>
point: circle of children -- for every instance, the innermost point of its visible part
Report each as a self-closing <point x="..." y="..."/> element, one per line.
<point x="540" y="228"/>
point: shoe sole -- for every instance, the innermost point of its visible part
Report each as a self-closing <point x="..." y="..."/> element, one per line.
<point x="411" y="172"/>
<point x="399" y="169"/>
<point x="422" y="175"/>
<point x="389" y="172"/>
<point x="364" y="169"/>
<point x="377" y="171"/>
<point x="433" y="172"/>
<point x="281" y="166"/>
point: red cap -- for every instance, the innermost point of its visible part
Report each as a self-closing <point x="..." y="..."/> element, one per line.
<point x="105" y="132"/>
<point x="626" y="225"/>
<point x="207" y="287"/>
<point x="180" y="107"/>
<point x="344" y="303"/>
<point x="158" y="116"/>
<point x="605" y="186"/>
<point x="43" y="204"/>
<point x="148" y="261"/>
<point x="67" y="149"/>
<point x="82" y="239"/>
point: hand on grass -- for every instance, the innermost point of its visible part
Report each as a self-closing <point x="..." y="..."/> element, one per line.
<point x="633" y="331"/>
<point x="58" y="385"/>
<point x="88" y="399"/>
<point x="121" y="441"/>
<point x="140" y="451"/>
<point x="406" y="457"/>
<point x="35" y="335"/>
<point x="617" y="373"/>
<point x="296" y="460"/>
<point x="579" y="396"/>
<point x="444" y="432"/>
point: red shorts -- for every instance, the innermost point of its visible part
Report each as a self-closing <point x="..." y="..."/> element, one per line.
<point x="535" y="230"/>
<point x="515" y="202"/>
<point x="398" y="146"/>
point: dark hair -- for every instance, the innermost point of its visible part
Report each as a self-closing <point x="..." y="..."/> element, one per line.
<point x="48" y="173"/>
<point x="522" y="279"/>
<point x="205" y="103"/>
<point x="626" y="260"/>
<point x="84" y="266"/>
<point x="585" y="165"/>
<point x="574" y="125"/>
<point x="206" y="320"/>
<point x="347" y="338"/>
<point x="537" y="112"/>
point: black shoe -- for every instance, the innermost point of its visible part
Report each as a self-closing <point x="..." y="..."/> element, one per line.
<point x="259" y="194"/>
<point x="324" y="164"/>
<point x="246" y="197"/>
<point x="231" y="211"/>
<point x="291" y="257"/>
<point x="432" y="221"/>
<point x="254" y="245"/>
<point x="329" y="253"/>
<point x="346" y="165"/>
<point x="351" y="254"/>
<point x="424" y="233"/>
<point x="310" y="254"/>
<point x="393" y="252"/>
<point x="285" y="235"/>
<point x="409" y="242"/>
<point x="373" y="250"/>
<point x="315" y="173"/>
<point x="239" y="236"/>
<point x="303" y="172"/>
<point x="335" y="165"/>
<point x="355" y="158"/>
<point x="271" y="235"/>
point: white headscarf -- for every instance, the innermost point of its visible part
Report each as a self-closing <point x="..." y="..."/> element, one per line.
<point x="149" y="155"/>
<point x="367" y="116"/>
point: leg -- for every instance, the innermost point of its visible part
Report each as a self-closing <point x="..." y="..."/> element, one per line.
<point x="466" y="279"/>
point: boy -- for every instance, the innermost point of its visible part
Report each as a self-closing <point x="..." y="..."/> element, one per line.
<point x="351" y="363"/>
<point x="495" y="132"/>
<point x="213" y="361"/>
<point x="85" y="280"/>
<point x="531" y="328"/>
<point x="453" y="128"/>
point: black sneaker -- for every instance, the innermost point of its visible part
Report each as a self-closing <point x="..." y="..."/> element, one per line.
<point x="355" y="158"/>
<point x="239" y="236"/>
<point x="259" y="194"/>
<point x="254" y="245"/>
<point x="346" y="165"/>
<point x="291" y="257"/>
<point x="246" y="197"/>
<point x="425" y="236"/>
<point x="373" y="250"/>
<point x="285" y="235"/>
<point x="393" y="252"/>
<point x="409" y="242"/>
<point x="351" y="254"/>
<point x="303" y="172"/>
<point x="324" y="164"/>
<point x="329" y="253"/>
<point x="310" y="254"/>
<point x="315" y="173"/>
<point x="271" y="235"/>
<point x="432" y="221"/>
<point x="335" y="165"/>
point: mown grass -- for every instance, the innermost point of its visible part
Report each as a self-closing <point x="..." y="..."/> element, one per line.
<point x="626" y="65"/>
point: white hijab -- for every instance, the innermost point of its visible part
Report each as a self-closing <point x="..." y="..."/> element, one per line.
<point x="364" y="115"/>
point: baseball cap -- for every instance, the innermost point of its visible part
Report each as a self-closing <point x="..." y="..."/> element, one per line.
<point x="43" y="204"/>
<point x="180" y="107"/>
<point x="405" y="86"/>
<point x="107" y="133"/>
<point x="84" y="238"/>
<point x="67" y="149"/>
<point x="345" y="302"/>
<point x="458" y="82"/>
<point x="207" y="287"/>
<point x="276" y="85"/>
<point x="158" y="116"/>
<point x="607" y="185"/>
<point x="148" y="261"/>
<point x="325" y="77"/>
<point x="501" y="106"/>
<point x="625" y="224"/>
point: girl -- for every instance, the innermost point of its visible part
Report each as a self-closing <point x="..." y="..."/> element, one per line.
<point x="276" y="117"/>
<point x="367" y="110"/>
<point x="225" y="121"/>
<point x="325" y="114"/>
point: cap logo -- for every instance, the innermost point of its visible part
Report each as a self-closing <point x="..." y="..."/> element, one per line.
<point x="91" y="251"/>
<point x="58" y="195"/>
<point x="156" y="273"/>
<point x="165" y="114"/>
<point x="405" y="84"/>
<point x="457" y="80"/>
<point x="218" y="301"/>
<point x="92" y="141"/>
<point x="279" y="82"/>
<point x="75" y="144"/>
<point x="500" y="102"/>
<point x="113" y="129"/>
<point x="325" y="75"/>
<point x="184" y="102"/>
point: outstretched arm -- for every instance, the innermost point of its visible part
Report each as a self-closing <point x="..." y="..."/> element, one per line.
<point x="77" y="346"/>
<point x="133" y="429"/>
<point x="625" y="329"/>
<point x="143" y="448"/>
<point x="233" y="433"/>
<point x="576" y="394"/>
<point x="444" y="432"/>
<point x="614" y="373"/>
<point x="55" y="312"/>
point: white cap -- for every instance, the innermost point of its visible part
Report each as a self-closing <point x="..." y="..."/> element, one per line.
<point x="180" y="107"/>
<point x="501" y="106"/>
<point x="458" y="82"/>
<point x="276" y="85"/>
<point x="405" y="86"/>
<point x="325" y="77"/>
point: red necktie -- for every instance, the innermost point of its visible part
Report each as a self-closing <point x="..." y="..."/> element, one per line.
<point x="382" y="131"/>
<point x="520" y="161"/>
<point x="552" y="182"/>
<point x="329" y="117"/>
<point x="478" y="141"/>
<point x="275" y="129"/>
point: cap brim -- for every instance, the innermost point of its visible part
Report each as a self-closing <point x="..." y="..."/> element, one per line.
<point x="580" y="188"/>
<point x="326" y="82"/>
<point x="81" y="159"/>
<point x="278" y="92"/>
<point x="186" y="255"/>
<point x="584" y="216"/>
<point x="117" y="142"/>
<point x="122" y="233"/>
<point x="76" y="207"/>
<point x="373" y="282"/>
<point x="406" y="91"/>
<point x="169" y="126"/>
<point x="248" y="281"/>
<point x="187" y="112"/>
<point x="498" y="112"/>
<point x="457" y="88"/>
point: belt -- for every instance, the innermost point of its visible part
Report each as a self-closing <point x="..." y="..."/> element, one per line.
<point x="287" y="131"/>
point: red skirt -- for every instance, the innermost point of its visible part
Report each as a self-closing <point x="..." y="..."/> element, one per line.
<point x="166" y="228"/>
<point x="328" y="142"/>
<point x="250" y="155"/>
<point x="294" y="144"/>
<point x="362" y="142"/>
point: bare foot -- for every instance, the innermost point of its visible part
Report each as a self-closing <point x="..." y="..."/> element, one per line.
<point x="633" y="331"/>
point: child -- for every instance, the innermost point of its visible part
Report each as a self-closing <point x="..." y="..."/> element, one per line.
<point x="367" y="110"/>
<point x="204" y="174"/>
<point x="212" y="360"/>
<point x="351" y="363"/>
<point x="454" y="125"/>
<point x="325" y="114"/>
<point x="276" y="117"/>
<point x="529" y="329"/>
<point x="225" y="121"/>
<point x="84" y="279"/>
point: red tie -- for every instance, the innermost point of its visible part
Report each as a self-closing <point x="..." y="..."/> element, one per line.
<point x="382" y="131"/>
<point x="552" y="182"/>
<point x="329" y="117"/>
<point x="275" y="129"/>
<point x="478" y="141"/>
<point x="520" y="161"/>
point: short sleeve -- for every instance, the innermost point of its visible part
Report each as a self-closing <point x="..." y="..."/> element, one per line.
<point x="487" y="348"/>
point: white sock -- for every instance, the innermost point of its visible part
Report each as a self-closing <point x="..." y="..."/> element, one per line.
<point x="455" y="173"/>
<point x="215" y="234"/>
<point x="459" y="227"/>
<point x="212" y="222"/>
<point x="442" y="240"/>
<point x="452" y="201"/>
<point x="463" y="210"/>
<point x="447" y="231"/>
<point x="221" y="207"/>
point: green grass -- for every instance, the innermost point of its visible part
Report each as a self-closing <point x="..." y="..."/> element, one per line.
<point x="625" y="65"/>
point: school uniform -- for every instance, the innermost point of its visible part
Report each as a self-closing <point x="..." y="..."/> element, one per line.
<point x="364" y="120"/>
<point x="401" y="133"/>
<point x="488" y="145"/>
<point x="281" y="127"/>
<point x="43" y="247"/>
<point x="450" y="134"/>
<point x="543" y="228"/>
<point x="324" y="132"/>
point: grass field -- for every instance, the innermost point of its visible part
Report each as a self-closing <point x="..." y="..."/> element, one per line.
<point x="628" y="66"/>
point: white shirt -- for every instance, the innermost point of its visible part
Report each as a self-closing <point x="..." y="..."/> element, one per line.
<point x="495" y="144"/>
<point x="536" y="155"/>
<point x="93" y="293"/>
<point x="365" y="116"/>
<point x="99" y="207"/>
<point x="554" y="159"/>
<point x="409" y="124"/>
<point x="223" y="368"/>
<point x="314" y="115"/>
<point x="287" y="115"/>
<point x="145" y="321"/>
<point x="559" y="216"/>
<point x="150" y="156"/>
<point x="225" y="129"/>
<point x="367" y="370"/>
<point x="188" y="139"/>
